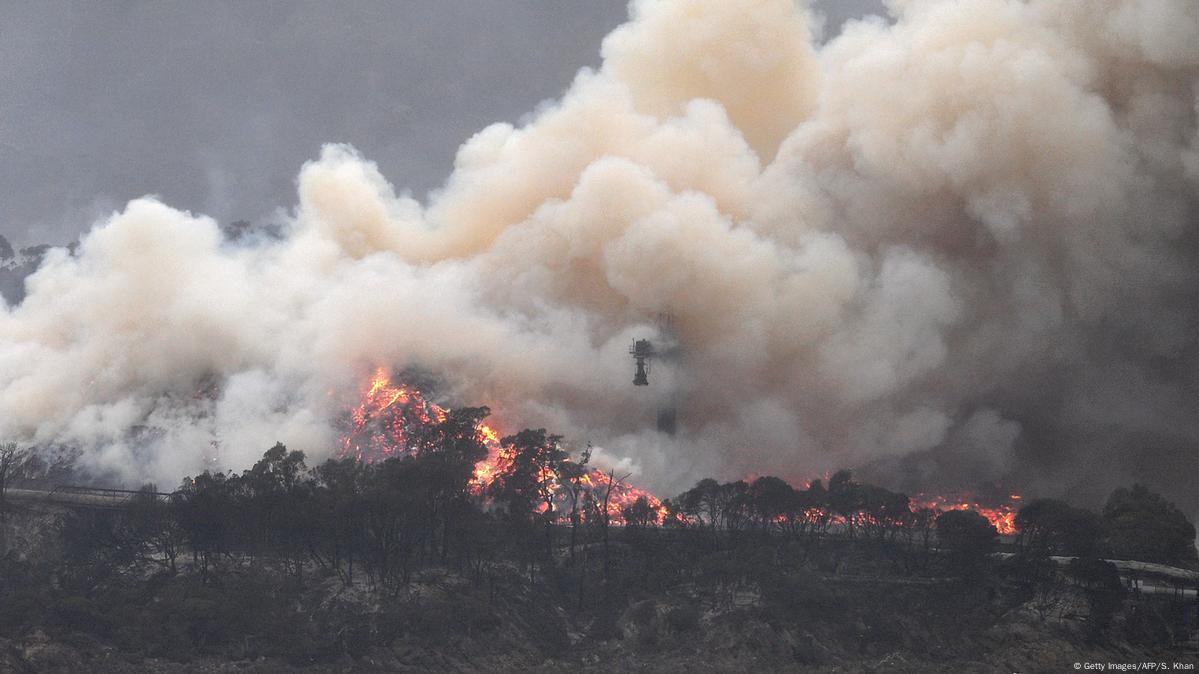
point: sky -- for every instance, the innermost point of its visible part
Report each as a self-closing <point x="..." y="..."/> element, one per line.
<point x="213" y="106"/>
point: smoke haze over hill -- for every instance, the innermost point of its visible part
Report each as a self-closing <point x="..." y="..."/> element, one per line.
<point x="956" y="246"/>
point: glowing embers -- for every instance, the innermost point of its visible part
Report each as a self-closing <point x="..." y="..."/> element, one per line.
<point x="1001" y="515"/>
<point x="389" y="420"/>
<point x="622" y="498"/>
<point x="396" y="420"/>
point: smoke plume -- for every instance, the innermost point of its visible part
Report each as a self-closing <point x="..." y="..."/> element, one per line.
<point x="954" y="246"/>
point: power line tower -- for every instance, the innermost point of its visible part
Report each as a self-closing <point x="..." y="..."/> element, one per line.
<point x="644" y="352"/>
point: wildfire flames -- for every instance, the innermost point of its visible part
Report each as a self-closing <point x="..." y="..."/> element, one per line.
<point x="1002" y="516"/>
<point x="390" y="417"/>
<point x="381" y="425"/>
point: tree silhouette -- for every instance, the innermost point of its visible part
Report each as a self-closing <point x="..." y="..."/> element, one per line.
<point x="10" y="458"/>
<point x="969" y="537"/>
<point x="1139" y="524"/>
<point x="1053" y="527"/>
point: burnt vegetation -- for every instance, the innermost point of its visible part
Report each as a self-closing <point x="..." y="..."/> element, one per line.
<point x="410" y="562"/>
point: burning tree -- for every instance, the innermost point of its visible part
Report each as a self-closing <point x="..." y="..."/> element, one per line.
<point x="1001" y="515"/>
<point x="530" y="472"/>
<point x="390" y="420"/>
<point x="395" y="420"/>
<point x="527" y="482"/>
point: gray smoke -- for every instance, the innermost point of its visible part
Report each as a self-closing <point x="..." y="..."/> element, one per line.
<point x="952" y="247"/>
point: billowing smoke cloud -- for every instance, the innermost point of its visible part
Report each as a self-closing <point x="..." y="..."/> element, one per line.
<point x="958" y="245"/>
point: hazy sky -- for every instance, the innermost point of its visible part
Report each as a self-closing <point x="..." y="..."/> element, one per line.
<point x="215" y="105"/>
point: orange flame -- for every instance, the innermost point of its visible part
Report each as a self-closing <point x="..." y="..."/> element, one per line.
<point x="622" y="496"/>
<point x="388" y="417"/>
<point x="1001" y="516"/>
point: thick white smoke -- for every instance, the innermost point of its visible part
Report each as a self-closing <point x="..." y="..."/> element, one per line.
<point x="962" y="241"/>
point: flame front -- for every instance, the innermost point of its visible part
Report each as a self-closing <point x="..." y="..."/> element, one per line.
<point x="389" y="419"/>
<point x="381" y="424"/>
<point x="1002" y="516"/>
